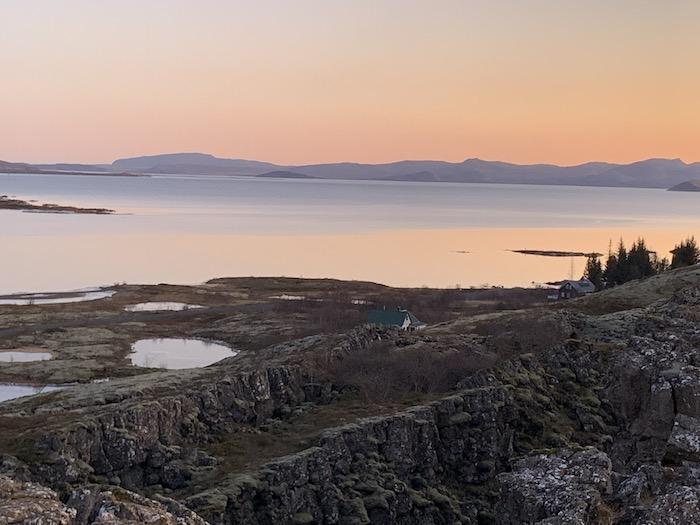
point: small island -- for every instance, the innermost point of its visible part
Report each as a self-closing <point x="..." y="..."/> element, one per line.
<point x="689" y="185"/>
<point x="7" y="203"/>
<point x="557" y="253"/>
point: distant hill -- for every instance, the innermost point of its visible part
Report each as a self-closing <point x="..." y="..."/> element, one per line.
<point x="690" y="185"/>
<point x="59" y="169"/>
<point x="14" y="167"/>
<point x="193" y="164"/>
<point x="285" y="175"/>
<point x="72" y="167"/>
<point x="420" y="176"/>
<point x="653" y="173"/>
<point x="650" y="173"/>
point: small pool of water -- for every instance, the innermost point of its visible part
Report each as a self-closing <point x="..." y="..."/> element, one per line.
<point x="54" y="298"/>
<point x="9" y="391"/>
<point x="175" y="354"/>
<point x="23" y="357"/>
<point x="160" y="307"/>
<point x="287" y="297"/>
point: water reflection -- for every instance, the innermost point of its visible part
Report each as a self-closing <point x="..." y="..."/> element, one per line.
<point x="54" y="298"/>
<point x="23" y="357"/>
<point x="399" y="258"/>
<point x="11" y="391"/>
<point x="175" y="354"/>
<point x="162" y="306"/>
<point x="190" y="229"/>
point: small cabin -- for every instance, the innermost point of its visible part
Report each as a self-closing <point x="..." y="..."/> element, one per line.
<point x="398" y="318"/>
<point x="573" y="289"/>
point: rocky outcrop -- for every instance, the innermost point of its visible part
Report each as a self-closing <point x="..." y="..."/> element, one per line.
<point x="684" y="441"/>
<point x="23" y="502"/>
<point x="116" y="506"/>
<point x="140" y="437"/>
<point x="603" y="427"/>
<point x="381" y="470"/>
<point x="142" y="442"/>
<point x="567" y="488"/>
<point x="30" y="503"/>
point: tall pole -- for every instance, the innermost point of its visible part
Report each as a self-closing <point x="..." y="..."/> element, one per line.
<point x="571" y="270"/>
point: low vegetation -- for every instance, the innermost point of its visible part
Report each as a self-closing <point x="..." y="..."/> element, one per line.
<point x="385" y="372"/>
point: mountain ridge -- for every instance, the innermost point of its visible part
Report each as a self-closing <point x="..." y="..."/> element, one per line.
<point x="649" y="173"/>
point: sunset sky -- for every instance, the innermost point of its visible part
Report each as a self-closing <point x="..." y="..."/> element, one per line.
<point x="304" y="81"/>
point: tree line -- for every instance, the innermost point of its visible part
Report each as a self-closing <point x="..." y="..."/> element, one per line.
<point x="623" y="265"/>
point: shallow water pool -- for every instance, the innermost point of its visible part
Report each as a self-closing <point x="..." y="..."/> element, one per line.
<point x="55" y="298"/>
<point x="23" y="357"/>
<point x="161" y="306"/>
<point x="10" y="391"/>
<point x="176" y="354"/>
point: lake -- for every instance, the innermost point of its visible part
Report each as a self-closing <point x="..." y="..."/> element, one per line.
<point x="181" y="229"/>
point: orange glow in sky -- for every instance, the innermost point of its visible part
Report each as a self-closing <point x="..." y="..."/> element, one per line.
<point x="309" y="81"/>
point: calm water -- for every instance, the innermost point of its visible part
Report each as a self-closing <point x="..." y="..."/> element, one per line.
<point x="23" y="357"/>
<point x="9" y="391"/>
<point x="160" y="306"/>
<point x="175" y="354"/>
<point x="190" y="229"/>
<point x="40" y="298"/>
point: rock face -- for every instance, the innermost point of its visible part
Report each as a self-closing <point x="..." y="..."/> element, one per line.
<point x="567" y="487"/>
<point x="140" y="444"/>
<point x="602" y="428"/>
<point x="684" y="441"/>
<point x="30" y="503"/>
<point x="22" y="502"/>
<point x="382" y="470"/>
<point x="118" y="506"/>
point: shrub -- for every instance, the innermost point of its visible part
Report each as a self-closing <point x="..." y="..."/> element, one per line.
<point x="384" y="372"/>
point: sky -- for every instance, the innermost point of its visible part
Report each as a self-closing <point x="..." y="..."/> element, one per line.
<point x="306" y="81"/>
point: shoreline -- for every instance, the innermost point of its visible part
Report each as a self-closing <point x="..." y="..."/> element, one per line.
<point x="7" y="203"/>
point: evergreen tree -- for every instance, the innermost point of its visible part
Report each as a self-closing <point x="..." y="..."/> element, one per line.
<point x="637" y="263"/>
<point x="640" y="261"/>
<point x="661" y="265"/>
<point x="594" y="272"/>
<point x="615" y="266"/>
<point x="686" y="253"/>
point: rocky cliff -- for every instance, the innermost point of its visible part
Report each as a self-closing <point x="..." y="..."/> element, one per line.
<point x="599" y="426"/>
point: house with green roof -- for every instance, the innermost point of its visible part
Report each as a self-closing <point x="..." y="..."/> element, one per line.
<point x="399" y="318"/>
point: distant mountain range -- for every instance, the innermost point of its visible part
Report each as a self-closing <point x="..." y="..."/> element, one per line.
<point x="651" y="173"/>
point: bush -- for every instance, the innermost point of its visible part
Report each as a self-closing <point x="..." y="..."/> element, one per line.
<point x="385" y="372"/>
<point x="520" y="335"/>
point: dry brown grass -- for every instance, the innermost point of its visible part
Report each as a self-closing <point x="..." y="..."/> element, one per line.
<point x="251" y="448"/>
<point x="384" y="372"/>
<point x="512" y="335"/>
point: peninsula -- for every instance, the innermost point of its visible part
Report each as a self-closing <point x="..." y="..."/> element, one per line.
<point x="8" y="203"/>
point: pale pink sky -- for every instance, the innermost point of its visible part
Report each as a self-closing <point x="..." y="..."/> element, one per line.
<point x="301" y="81"/>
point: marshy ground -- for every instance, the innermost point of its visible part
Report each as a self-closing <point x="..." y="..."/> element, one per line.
<point x="91" y="340"/>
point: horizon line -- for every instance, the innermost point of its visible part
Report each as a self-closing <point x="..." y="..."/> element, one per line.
<point x="282" y="164"/>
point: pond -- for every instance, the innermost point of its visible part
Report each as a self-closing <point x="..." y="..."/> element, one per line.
<point x="55" y="298"/>
<point x="15" y="356"/>
<point x="11" y="391"/>
<point x="175" y="354"/>
<point x="160" y="307"/>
